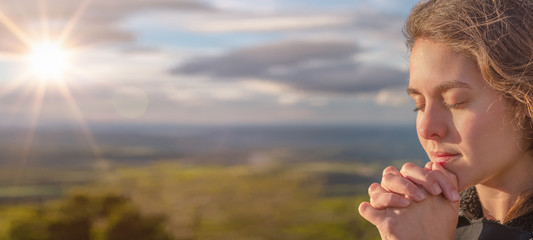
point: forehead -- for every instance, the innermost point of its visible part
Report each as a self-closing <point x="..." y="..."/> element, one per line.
<point x="433" y="64"/>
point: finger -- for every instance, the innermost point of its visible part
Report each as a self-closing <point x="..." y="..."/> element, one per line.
<point x="388" y="200"/>
<point x="375" y="188"/>
<point x="381" y="198"/>
<point x="400" y="185"/>
<point x="451" y="176"/>
<point x="421" y="177"/>
<point x="392" y="170"/>
<point x="447" y="181"/>
<point x="428" y="166"/>
<point x="369" y="213"/>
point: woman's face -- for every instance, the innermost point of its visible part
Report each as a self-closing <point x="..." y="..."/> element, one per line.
<point x="461" y="122"/>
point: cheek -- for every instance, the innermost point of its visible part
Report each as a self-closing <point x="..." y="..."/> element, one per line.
<point x="422" y="141"/>
<point x="472" y="141"/>
<point x="487" y="138"/>
<point x="468" y="127"/>
<point x="477" y="133"/>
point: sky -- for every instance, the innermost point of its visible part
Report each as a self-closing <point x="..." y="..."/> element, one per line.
<point x="212" y="62"/>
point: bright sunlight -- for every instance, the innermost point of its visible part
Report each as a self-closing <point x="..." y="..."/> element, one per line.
<point x="48" y="60"/>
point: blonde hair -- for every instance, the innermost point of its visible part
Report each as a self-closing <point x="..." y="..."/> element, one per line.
<point x="498" y="36"/>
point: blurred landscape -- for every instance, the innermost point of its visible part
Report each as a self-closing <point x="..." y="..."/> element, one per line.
<point x="60" y="146"/>
<point x="199" y="119"/>
<point x="249" y="182"/>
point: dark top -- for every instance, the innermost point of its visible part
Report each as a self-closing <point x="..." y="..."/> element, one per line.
<point x="472" y="224"/>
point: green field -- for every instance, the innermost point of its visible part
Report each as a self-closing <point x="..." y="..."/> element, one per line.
<point x="176" y="201"/>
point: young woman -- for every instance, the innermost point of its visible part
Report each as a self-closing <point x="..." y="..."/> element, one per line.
<point x="471" y="78"/>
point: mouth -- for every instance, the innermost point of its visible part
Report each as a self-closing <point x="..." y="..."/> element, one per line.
<point x="443" y="158"/>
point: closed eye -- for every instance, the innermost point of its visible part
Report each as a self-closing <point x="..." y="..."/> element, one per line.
<point x="418" y="108"/>
<point x="454" y="106"/>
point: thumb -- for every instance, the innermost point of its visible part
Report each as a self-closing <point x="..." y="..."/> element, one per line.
<point x="449" y="175"/>
<point x="448" y="182"/>
<point x="371" y="214"/>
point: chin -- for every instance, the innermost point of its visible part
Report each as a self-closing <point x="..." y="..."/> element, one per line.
<point x="464" y="187"/>
<point x="462" y="178"/>
<point x="464" y="183"/>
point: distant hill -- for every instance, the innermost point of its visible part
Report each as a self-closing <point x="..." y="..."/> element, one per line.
<point x="63" y="146"/>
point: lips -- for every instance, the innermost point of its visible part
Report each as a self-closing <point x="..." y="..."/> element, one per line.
<point x="444" y="157"/>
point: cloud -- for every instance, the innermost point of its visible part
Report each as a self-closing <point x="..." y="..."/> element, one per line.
<point x="330" y="51"/>
<point x="365" y="22"/>
<point x="266" y="23"/>
<point x="88" y="22"/>
<point x="316" y="66"/>
<point x="251" y="62"/>
<point x="378" y="33"/>
<point x="392" y="97"/>
<point x="346" y="78"/>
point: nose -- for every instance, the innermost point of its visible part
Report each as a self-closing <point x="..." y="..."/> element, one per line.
<point x="432" y="123"/>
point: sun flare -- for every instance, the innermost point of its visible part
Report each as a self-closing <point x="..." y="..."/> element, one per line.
<point x="48" y="60"/>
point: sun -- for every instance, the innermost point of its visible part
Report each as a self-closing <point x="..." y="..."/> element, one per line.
<point x="48" y="59"/>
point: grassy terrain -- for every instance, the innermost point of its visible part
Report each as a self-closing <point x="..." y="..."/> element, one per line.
<point x="255" y="201"/>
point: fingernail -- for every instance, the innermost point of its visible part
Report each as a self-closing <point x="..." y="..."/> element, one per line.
<point x="404" y="202"/>
<point x="455" y="196"/>
<point x="437" y="189"/>
<point x="420" y="195"/>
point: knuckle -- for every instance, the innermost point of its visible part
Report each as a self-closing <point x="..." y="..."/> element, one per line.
<point x="389" y="169"/>
<point x="408" y="166"/>
<point x="388" y="177"/>
<point x="438" y="177"/>
<point x="375" y="200"/>
<point x="388" y="198"/>
<point x="428" y="165"/>
<point x="372" y="188"/>
<point x="363" y="210"/>
<point x="430" y="177"/>
<point x="410" y="187"/>
<point x="381" y="200"/>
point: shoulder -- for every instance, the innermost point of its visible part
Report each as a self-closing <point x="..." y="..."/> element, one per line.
<point x="488" y="230"/>
<point x="472" y="224"/>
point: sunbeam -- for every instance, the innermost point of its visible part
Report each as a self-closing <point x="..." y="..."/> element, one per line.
<point x="13" y="28"/>
<point x="43" y="12"/>
<point x="81" y="121"/>
<point x="36" y="111"/>
<point x="73" y="21"/>
<point x="13" y="85"/>
<point x="24" y="96"/>
<point x="47" y="58"/>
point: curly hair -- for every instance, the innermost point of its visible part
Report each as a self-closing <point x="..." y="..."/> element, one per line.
<point x="497" y="35"/>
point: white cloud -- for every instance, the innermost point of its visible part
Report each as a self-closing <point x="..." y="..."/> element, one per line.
<point x="132" y="60"/>
<point x="267" y="23"/>
<point x="130" y="101"/>
<point x="235" y="5"/>
<point x="289" y="99"/>
<point x="265" y="87"/>
<point x="392" y="97"/>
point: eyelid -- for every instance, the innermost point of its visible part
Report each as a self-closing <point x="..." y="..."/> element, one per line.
<point x="419" y="107"/>
<point x="454" y="102"/>
<point x="454" y="105"/>
<point x="452" y="95"/>
<point x="419" y="102"/>
<point x="449" y="106"/>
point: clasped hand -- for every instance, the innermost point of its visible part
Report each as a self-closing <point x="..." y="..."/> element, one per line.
<point x="414" y="203"/>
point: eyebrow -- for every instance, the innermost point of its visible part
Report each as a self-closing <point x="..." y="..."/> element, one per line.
<point x="443" y="87"/>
